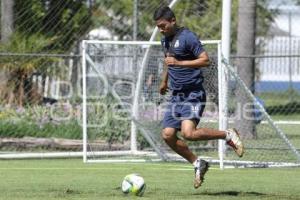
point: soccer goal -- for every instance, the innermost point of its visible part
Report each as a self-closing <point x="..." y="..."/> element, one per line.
<point x="122" y="109"/>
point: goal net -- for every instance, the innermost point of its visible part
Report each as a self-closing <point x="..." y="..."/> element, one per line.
<point x="123" y="110"/>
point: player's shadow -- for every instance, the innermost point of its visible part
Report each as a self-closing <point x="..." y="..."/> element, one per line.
<point x="232" y="193"/>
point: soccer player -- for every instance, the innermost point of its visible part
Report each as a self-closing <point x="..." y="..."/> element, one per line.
<point x="184" y="58"/>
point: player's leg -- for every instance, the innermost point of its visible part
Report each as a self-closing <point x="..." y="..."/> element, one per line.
<point x="180" y="147"/>
<point x="200" y="166"/>
<point x="171" y="125"/>
<point x="177" y="145"/>
<point x="231" y="136"/>
<point x="191" y="113"/>
<point x="190" y="132"/>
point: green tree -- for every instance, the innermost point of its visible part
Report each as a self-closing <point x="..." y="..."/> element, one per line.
<point x="64" y="21"/>
<point x="117" y="17"/>
<point x="41" y="26"/>
<point x="201" y="16"/>
<point x="21" y="68"/>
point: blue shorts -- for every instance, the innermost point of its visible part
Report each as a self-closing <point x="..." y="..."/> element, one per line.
<point x="184" y="106"/>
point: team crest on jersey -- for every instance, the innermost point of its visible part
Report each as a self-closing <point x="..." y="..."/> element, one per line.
<point x="176" y="44"/>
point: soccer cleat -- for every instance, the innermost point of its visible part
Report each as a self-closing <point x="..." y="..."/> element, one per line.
<point x="235" y="142"/>
<point x="200" y="170"/>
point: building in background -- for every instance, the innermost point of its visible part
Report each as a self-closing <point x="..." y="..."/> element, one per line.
<point x="279" y="67"/>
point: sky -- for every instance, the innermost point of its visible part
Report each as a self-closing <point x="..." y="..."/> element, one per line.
<point x="281" y="2"/>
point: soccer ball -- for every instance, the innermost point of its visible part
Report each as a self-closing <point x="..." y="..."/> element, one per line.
<point x="133" y="184"/>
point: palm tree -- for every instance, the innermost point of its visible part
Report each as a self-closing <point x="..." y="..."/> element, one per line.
<point x="20" y="68"/>
<point x="246" y="68"/>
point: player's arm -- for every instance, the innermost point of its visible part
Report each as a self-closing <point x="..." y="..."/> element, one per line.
<point x="163" y="88"/>
<point x="201" y="61"/>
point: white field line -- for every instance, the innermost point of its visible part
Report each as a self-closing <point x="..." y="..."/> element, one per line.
<point x="188" y="167"/>
<point x="283" y="122"/>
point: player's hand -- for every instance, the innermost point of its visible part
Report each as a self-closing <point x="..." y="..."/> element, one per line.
<point x="169" y="60"/>
<point x="163" y="88"/>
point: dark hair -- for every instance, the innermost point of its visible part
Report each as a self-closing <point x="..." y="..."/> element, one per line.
<point x="163" y="12"/>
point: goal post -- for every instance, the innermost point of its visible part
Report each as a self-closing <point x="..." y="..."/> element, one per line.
<point x="120" y="82"/>
<point x="110" y="59"/>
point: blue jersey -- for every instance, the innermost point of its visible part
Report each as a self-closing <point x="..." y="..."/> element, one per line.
<point x="185" y="45"/>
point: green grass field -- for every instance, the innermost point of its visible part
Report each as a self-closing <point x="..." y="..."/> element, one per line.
<point x="71" y="179"/>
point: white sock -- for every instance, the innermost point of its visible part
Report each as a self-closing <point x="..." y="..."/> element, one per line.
<point x="195" y="162"/>
<point x="228" y="137"/>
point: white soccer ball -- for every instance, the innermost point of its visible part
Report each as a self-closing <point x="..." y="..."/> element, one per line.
<point x="133" y="184"/>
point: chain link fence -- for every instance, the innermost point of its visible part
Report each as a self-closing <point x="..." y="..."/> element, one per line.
<point x="276" y="82"/>
<point x="40" y="60"/>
